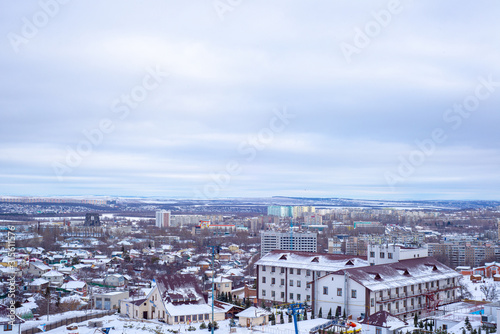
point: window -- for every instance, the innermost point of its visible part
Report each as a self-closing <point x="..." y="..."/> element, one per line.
<point x="432" y="284"/>
<point x="308" y="285"/>
<point x="397" y="291"/>
<point x="176" y="319"/>
<point x="382" y="255"/>
<point x="378" y="330"/>
<point x="273" y="280"/>
<point x="273" y="269"/>
<point x="282" y="281"/>
<point x="291" y="270"/>
<point x="372" y="254"/>
<point x="273" y="293"/>
<point x="372" y="302"/>
<point x="282" y="270"/>
<point x="291" y="295"/>
<point x="404" y="303"/>
<point x="282" y="295"/>
<point x="206" y="316"/>
<point x="263" y="293"/>
<point x="7" y="327"/>
<point x="308" y="298"/>
<point x="339" y="292"/>
<point x="263" y="268"/>
<point x="353" y="293"/>
<point x="291" y="282"/>
<point x="325" y="290"/>
<point x="298" y="284"/>
<point x="298" y="297"/>
<point x="308" y="273"/>
<point x="195" y="317"/>
<point x="298" y="271"/>
<point x="263" y="279"/>
<point x="389" y="255"/>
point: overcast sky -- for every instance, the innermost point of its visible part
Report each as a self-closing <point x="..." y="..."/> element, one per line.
<point x="230" y="98"/>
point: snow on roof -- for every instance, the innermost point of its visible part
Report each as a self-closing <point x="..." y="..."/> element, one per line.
<point x="402" y="273"/>
<point x="186" y="309"/>
<point x="384" y="319"/>
<point x="40" y="265"/>
<point x="72" y="285"/>
<point x="38" y="281"/>
<point x="221" y="279"/>
<point x="52" y="273"/>
<point x="311" y="261"/>
<point x="253" y="312"/>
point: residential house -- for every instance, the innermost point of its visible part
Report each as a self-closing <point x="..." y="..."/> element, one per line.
<point x="382" y="322"/>
<point x="115" y="280"/>
<point x="54" y="277"/>
<point x="110" y="300"/>
<point x="38" y="268"/>
<point x="253" y="316"/>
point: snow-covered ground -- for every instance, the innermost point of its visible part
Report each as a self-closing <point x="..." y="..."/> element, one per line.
<point x="488" y="290"/>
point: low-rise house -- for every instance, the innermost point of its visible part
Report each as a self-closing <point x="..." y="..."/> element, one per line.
<point x="38" y="285"/>
<point x="253" y="316"/>
<point x="38" y="268"/>
<point x="223" y="285"/>
<point x="382" y="322"/>
<point x="110" y="300"/>
<point x="175" y="299"/>
<point x="115" y="280"/>
<point x="75" y="286"/>
<point x="54" y="277"/>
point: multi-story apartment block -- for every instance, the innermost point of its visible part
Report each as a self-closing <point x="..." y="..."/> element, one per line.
<point x="162" y="218"/>
<point x="286" y="276"/>
<point x="401" y="288"/>
<point x="271" y="240"/>
<point x="389" y="253"/>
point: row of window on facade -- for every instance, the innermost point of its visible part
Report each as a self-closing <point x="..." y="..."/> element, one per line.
<point x="291" y="271"/>
<point x="428" y="285"/>
<point x="291" y="295"/>
<point x="194" y="317"/>
<point x="382" y="255"/>
<point x="282" y="282"/>
<point x="354" y="293"/>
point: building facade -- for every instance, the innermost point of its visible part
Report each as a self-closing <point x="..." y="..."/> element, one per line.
<point x="286" y="276"/>
<point x="162" y="218"/>
<point x="304" y="242"/>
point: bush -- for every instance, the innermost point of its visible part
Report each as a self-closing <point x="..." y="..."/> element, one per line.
<point x="191" y="328"/>
<point x="203" y="325"/>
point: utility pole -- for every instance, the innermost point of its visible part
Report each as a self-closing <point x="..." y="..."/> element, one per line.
<point x="214" y="248"/>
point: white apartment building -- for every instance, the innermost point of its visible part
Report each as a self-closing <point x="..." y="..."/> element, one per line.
<point x="304" y="242"/>
<point x="403" y="288"/>
<point x="390" y="253"/>
<point x="286" y="276"/>
<point x="162" y="218"/>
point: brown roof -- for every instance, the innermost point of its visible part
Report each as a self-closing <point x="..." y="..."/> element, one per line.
<point x="180" y="289"/>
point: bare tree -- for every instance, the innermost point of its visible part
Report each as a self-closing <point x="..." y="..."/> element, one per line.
<point x="490" y="291"/>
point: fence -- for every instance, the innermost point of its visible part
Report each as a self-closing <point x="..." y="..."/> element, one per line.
<point x="67" y="321"/>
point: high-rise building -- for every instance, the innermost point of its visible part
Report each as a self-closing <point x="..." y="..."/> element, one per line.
<point x="92" y="219"/>
<point x="162" y="218"/>
<point x="271" y="240"/>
